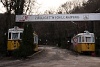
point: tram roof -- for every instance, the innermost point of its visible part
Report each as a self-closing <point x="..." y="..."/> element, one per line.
<point x="86" y="34"/>
<point x="16" y="29"/>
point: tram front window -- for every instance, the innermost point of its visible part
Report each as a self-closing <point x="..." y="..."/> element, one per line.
<point x="14" y="35"/>
<point x="88" y="39"/>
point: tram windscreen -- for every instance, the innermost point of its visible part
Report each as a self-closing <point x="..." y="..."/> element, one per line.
<point x="88" y="39"/>
<point x="14" y="35"/>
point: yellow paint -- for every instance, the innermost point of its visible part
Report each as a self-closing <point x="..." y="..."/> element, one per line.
<point x="12" y="45"/>
<point x="79" y="48"/>
<point x="88" y="47"/>
<point x="36" y="48"/>
<point x="82" y="47"/>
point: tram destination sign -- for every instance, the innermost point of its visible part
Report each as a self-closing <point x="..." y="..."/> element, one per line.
<point x="59" y="17"/>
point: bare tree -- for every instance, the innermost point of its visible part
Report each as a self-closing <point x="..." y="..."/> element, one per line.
<point x="7" y="4"/>
<point x="13" y="7"/>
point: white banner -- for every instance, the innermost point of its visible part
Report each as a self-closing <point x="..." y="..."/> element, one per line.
<point x="59" y="17"/>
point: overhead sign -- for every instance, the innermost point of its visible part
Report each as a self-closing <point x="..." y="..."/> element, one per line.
<point x="59" y="17"/>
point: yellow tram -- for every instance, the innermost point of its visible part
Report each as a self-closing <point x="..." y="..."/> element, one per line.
<point x="15" y="37"/>
<point x="84" y="42"/>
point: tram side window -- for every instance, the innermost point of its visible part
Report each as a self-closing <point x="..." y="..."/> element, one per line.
<point x="14" y="35"/>
<point x="82" y="39"/>
<point x="79" y="39"/>
<point x="9" y="35"/>
<point x="20" y="35"/>
<point x="35" y="39"/>
<point x="93" y="39"/>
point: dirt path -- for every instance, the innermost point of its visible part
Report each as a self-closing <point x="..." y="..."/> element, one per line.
<point x="54" y="57"/>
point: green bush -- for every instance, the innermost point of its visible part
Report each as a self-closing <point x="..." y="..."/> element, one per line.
<point x="27" y="46"/>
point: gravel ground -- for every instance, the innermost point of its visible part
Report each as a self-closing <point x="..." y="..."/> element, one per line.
<point x="54" y="57"/>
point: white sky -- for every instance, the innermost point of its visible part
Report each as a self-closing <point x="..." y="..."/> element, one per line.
<point x="2" y="9"/>
<point x="43" y="5"/>
<point x="49" y="4"/>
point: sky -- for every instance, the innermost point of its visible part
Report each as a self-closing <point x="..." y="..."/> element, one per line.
<point x="2" y="9"/>
<point x="43" y="5"/>
<point x="50" y="4"/>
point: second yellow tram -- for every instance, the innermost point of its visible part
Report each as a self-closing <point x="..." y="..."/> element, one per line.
<point x="84" y="42"/>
